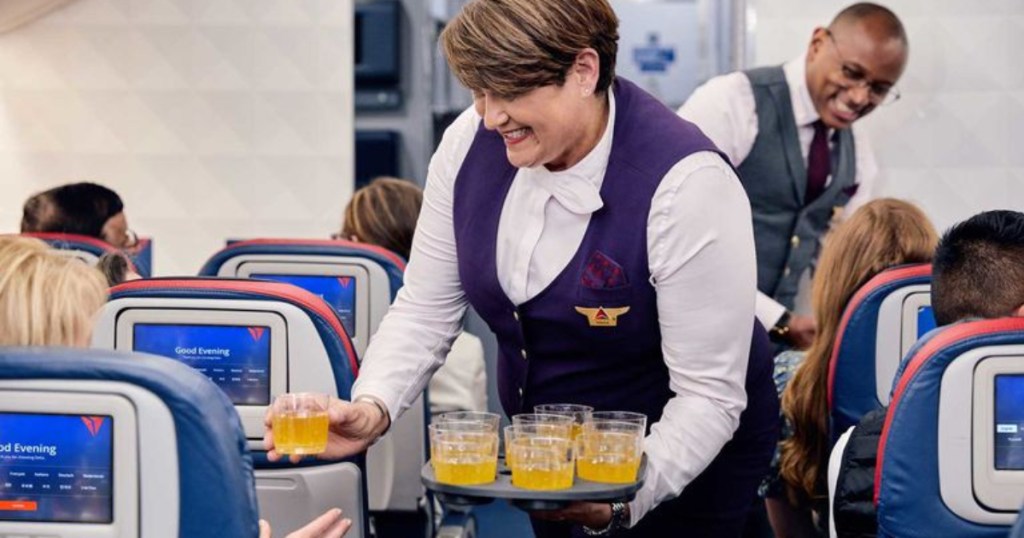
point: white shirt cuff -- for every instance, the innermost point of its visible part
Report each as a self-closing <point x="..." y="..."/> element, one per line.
<point x="768" y="311"/>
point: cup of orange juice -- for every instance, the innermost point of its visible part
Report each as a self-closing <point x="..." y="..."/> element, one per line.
<point x="580" y="413"/>
<point x="609" y="451"/>
<point x="539" y="462"/>
<point x="299" y="422"/>
<point x="463" y="453"/>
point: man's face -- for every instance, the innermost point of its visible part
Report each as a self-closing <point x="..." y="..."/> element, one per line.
<point x="851" y="69"/>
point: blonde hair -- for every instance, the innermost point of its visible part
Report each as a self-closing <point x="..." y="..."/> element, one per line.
<point x="384" y="213"/>
<point x="511" y="47"/>
<point x="881" y="234"/>
<point x="46" y="298"/>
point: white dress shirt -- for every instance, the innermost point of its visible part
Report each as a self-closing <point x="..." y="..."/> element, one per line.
<point x="461" y="384"/>
<point x="724" y="109"/>
<point x="701" y="257"/>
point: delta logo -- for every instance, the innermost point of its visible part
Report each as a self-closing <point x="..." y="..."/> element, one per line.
<point x="601" y="316"/>
<point x="93" y="424"/>
<point x="345" y="281"/>
<point x="256" y="332"/>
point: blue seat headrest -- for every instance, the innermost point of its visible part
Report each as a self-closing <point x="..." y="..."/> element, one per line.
<point x="392" y="263"/>
<point x="339" y="348"/>
<point x="213" y="463"/>
<point x="851" y="376"/>
<point x="907" y="473"/>
<point x="139" y="261"/>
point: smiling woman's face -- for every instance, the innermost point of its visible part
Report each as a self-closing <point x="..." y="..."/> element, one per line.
<point x="554" y="126"/>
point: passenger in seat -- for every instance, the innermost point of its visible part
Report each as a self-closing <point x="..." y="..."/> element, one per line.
<point x="881" y="234"/>
<point x="79" y="208"/>
<point x="979" y="268"/>
<point x="384" y="213"/>
<point x="978" y="272"/>
<point x="47" y="299"/>
<point x="116" y="267"/>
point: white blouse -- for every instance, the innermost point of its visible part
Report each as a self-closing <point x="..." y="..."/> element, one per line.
<point x="701" y="255"/>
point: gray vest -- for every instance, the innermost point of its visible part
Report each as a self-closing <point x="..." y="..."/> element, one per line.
<point x="786" y="229"/>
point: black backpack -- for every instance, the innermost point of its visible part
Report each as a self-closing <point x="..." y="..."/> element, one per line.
<point x="854" y="505"/>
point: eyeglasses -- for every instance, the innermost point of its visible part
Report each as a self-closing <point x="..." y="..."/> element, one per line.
<point x="879" y="93"/>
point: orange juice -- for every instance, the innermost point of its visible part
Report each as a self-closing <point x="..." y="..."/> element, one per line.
<point x="609" y="468"/>
<point x="541" y="463"/>
<point x="300" y="433"/>
<point x="463" y="458"/>
<point x="539" y="477"/>
<point x="467" y="471"/>
<point x="577" y="429"/>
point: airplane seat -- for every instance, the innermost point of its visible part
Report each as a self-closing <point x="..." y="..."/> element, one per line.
<point x="370" y="275"/>
<point x="255" y="340"/>
<point x="360" y="281"/>
<point x="89" y="249"/>
<point x="878" y="327"/>
<point x="835" y="460"/>
<point x="951" y="453"/>
<point x="1018" y="528"/>
<point x="101" y="443"/>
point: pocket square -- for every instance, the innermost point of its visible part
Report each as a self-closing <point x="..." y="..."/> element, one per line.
<point x="603" y="272"/>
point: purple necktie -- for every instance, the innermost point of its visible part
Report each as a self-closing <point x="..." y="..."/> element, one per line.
<point x="818" y="163"/>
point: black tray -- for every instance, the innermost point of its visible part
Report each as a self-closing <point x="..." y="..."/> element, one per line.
<point x="528" y="499"/>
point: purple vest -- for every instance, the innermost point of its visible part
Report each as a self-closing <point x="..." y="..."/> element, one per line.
<point x="548" y="351"/>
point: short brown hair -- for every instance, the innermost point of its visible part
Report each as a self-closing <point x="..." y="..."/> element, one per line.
<point x="511" y="47"/>
<point x="384" y="213"/>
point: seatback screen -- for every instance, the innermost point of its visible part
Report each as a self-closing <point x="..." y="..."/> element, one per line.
<point x="1009" y="415"/>
<point x="56" y="468"/>
<point x="236" y="358"/>
<point x="925" y="320"/>
<point x="338" y="291"/>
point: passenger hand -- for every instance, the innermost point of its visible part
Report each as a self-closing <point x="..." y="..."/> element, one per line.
<point x="802" y="330"/>
<point x="328" y="525"/>
<point x="593" y="515"/>
<point x="352" y="426"/>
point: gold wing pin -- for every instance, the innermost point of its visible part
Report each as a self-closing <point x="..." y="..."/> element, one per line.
<point x="601" y="316"/>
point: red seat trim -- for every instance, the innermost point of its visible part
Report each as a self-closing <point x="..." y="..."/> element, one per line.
<point x="938" y="343"/>
<point x="881" y="279"/>
<point x="394" y="258"/>
<point x="274" y="290"/>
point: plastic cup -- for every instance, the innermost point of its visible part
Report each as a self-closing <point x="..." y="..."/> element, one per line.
<point x="580" y="413"/>
<point x="491" y="420"/>
<point x="619" y="416"/>
<point x="463" y="453"/>
<point x="541" y="463"/>
<point x="609" y="452"/>
<point x="299" y="423"/>
<point x="543" y="419"/>
<point x="534" y="429"/>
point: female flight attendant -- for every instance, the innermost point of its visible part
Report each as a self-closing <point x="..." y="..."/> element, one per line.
<point x="608" y="245"/>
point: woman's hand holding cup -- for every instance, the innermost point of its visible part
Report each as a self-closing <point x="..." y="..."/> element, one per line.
<point x="351" y="427"/>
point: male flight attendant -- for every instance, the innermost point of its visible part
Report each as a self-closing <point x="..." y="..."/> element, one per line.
<point x="788" y="130"/>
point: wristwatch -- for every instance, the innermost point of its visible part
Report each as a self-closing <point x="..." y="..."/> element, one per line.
<point x="380" y="407"/>
<point x="617" y="522"/>
<point x="780" y="332"/>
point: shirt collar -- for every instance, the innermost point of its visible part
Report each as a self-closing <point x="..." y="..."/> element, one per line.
<point x="799" y="95"/>
<point x="578" y="189"/>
